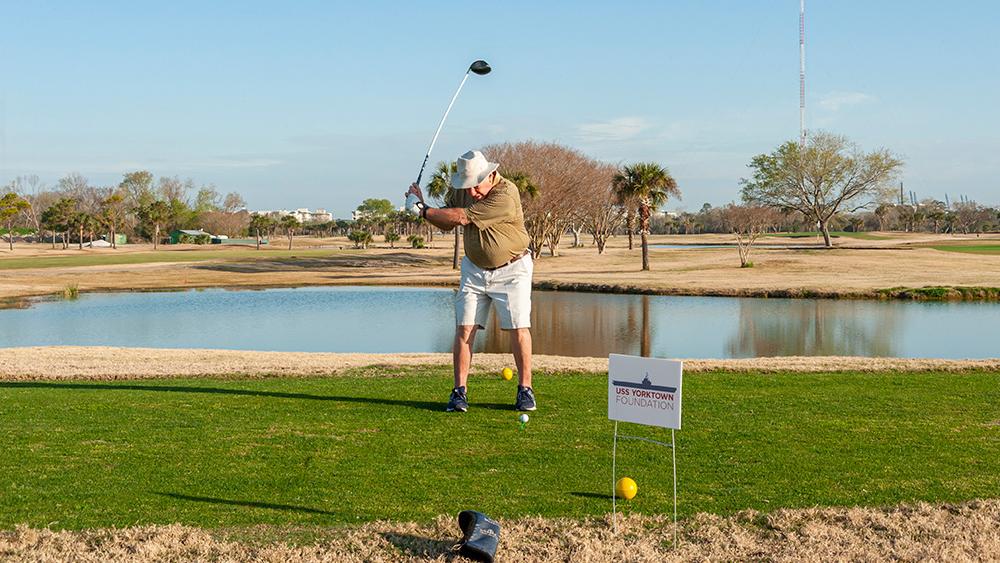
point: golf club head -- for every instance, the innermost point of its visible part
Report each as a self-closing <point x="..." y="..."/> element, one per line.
<point x="480" y="67"/>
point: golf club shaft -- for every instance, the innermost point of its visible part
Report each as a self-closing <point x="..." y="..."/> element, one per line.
<point x="440" y="125"/>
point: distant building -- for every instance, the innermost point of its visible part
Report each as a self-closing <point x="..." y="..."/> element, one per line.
<point x="184" y="235"/>
<point x="303" y="215"/>
<point x="119" y="238"/>
<point x="359" y="215"/>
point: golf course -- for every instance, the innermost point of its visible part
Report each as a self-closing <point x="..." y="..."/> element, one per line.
<point x="313" y="460"/>
<point x="230" y="455"/>
<point x="536" y="282"/>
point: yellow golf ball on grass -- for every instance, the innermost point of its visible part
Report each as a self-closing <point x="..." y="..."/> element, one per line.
<point x="626" y="488"/>
<point x="507" y="374"/>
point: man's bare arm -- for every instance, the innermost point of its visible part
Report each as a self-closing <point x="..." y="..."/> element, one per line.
<point x="446" y="218"/>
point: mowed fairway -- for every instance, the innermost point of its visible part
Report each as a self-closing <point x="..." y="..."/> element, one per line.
<point x="377" y="445"/>
<point x="970" y="248"/>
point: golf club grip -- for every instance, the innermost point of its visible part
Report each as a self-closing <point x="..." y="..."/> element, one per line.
<point x="422" y="166"/>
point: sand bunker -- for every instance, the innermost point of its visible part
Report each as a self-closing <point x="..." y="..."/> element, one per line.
<point x="78" y="362"/>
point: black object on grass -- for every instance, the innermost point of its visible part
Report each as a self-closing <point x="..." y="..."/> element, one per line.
<point x="480" y="536"/>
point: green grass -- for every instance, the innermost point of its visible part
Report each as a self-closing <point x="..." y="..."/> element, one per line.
<point x="970" y="248"/>
<point x="219" y="453"/>
<point x="157" y="256"/>
<point x="941" y="293"/>
<point x="833" y="234"/>
<point x="18" y="231"/>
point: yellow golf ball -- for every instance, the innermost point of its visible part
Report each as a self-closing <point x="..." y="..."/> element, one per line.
<point x="626" y="488"/>
<point x="507" y="373"/>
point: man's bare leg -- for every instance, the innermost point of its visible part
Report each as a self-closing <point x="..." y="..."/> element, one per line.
<point x="520" y="343"/>
<point x="465" y="336"/>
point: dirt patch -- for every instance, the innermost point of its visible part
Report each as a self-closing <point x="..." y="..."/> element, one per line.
<point x="963" y="532"/>
<point x="99" y="362"/>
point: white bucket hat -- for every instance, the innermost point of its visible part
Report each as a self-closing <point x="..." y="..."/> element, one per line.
<point x="473" y="168"/>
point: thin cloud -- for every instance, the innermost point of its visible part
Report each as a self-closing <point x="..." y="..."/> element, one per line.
<point x="620" y="129"/>
<point x="237" y="162"/>
<point x="836" y="100"/>
<point x="96" y="166"/>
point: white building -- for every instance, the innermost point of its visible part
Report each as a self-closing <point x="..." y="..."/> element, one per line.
<point x="303" y="215"/>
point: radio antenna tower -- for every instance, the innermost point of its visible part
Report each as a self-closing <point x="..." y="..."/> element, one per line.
<point x="802" y="73"/>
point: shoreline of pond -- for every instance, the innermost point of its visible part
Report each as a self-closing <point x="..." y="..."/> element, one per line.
<point x="926" y="293"/>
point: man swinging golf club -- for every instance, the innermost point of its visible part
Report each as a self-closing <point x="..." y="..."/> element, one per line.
<point x="496" y="269"/>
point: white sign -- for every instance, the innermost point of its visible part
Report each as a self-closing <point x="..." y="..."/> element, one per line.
<point x="645" y="390"/>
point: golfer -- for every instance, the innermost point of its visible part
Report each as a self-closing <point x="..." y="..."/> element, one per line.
<point x="496" y="268"/>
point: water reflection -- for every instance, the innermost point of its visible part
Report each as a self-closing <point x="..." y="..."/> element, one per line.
<point x="815" y="328"/>
<point x="581" y="324"/>
<point x="372" y="319"/>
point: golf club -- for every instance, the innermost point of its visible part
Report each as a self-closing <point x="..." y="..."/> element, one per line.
<point x="478" y="67"/>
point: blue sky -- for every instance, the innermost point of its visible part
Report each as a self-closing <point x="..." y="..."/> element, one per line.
<point x="322" y="104"/>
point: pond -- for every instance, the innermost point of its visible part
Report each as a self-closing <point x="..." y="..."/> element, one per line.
<point x="381" y="319"/>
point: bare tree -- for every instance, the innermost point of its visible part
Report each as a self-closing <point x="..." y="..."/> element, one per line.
<point x="600" y="213"/>
<point x="173" y="189"/>
<point x="971" y="217"/>
<point x="233" y="203"/>
<point x="73" y="185"/>
<point x="748" y="223"/>
<point x="223" y="223"/>
<point x="828" y="176"/>
<point x="558" y="173"/>
<point x="32" y="190"/>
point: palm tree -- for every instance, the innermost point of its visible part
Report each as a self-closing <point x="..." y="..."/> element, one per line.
<point x="156" y="214"/>
<point x="10" y="205"/>
<point x="259" y="224"/>
<point x="650" y="185"/>
<point x="113" y="214"/>
<point x="629" y="203"/>
<point x="83" y="222"/>
<point x="439" y="189"/>
<point x="57" y="219"/>
<point x="525" y="185"/>
<point x="289" y="223"/>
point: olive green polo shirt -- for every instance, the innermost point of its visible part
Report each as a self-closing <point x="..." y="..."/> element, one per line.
<point x="495" y="234"/>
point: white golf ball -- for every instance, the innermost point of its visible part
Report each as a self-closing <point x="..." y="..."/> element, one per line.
<point x="523" y="418"/>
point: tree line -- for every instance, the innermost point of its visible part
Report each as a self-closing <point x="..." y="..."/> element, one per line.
<point x="927" y="216"/>
<point x="826" y="184"/>
<point x="139" y="206"/>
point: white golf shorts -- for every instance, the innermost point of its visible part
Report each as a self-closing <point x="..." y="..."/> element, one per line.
<point x="508" y="287"/>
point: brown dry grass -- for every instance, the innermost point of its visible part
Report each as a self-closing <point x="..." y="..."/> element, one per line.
<point x="921" y="532"/>
<point x="856" y="267"/>
<point x="99" y="362"/>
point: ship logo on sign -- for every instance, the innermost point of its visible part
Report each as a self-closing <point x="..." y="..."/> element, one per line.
<point x="645" y="390"/>
<point x="646" y="384"/>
